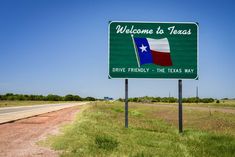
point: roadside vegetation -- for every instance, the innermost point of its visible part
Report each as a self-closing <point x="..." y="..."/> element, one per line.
<point x="50" y="97"/>
<point x="191" y="101"/>
<point x="99" y="131"/>
<point x="10" y="99"/>
<point x="170" y="99"/>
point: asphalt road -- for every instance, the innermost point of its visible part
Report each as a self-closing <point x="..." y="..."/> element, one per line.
<point x="9" y="114"/>
<point x="24" y="108"/>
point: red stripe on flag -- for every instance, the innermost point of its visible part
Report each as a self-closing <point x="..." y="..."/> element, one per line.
<point x="161" y="58"/>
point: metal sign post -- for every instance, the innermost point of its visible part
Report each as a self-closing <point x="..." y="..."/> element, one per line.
<point x="126" y="103"/>
<point x="180" y="107"/>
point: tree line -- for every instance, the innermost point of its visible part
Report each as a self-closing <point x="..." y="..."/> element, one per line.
<point x="50" y="97"/>
<point x="147" y="99"/>
<point x="70" y="97"/>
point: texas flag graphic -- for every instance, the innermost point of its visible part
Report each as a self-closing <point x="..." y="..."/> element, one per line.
<point x="152" y="51"/>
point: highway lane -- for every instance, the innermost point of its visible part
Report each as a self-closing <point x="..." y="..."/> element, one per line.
<point x="24" y="108"/>
<point x="10" y="114"/>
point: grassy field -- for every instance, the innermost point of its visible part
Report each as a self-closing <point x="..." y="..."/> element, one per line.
<point x="6" y="103"/>
<point x="99" y="131"/>
<point x="222" y="104"/>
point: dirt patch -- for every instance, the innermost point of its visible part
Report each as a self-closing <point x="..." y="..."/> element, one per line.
<point x="18" y="139"/>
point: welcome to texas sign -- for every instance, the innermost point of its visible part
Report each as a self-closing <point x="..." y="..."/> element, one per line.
<point x="167" y="50"/>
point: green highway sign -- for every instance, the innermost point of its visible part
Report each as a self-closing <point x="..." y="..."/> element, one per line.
<point x="166" y="50"/>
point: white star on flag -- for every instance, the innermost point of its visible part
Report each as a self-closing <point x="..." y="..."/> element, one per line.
<point x="143" y="48"/>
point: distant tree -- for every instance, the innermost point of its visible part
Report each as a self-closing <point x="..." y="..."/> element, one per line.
<point x="207" y="100"/>
<point x="77" y="98"/>
<point x="11" y="97"/>
<point x="156" y="99"/>
<point x="20" y="97"/>
<point x="32" y="97"/>
<point x="52" y="97"/>
<point x="69" y="97"/>
<point x="120" y="99"/>
<point x="9" y="94"/>
<point x="224" y="99"/>
<point x="89" y="99"/>
<point x="39" y="97"/>
<point x="135" y="99"/>
<point x="172" y="100"/>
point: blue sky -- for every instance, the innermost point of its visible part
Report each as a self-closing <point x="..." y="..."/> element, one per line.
<point x="61" y="46"/>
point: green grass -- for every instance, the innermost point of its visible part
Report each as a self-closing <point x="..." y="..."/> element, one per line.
<point x="6" y="103"/>
<point x="99" y="131"/>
